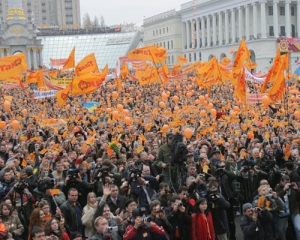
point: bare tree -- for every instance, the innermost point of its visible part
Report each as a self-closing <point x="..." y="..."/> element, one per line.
<point x="96" y="22"/>
<point x="87" y="21"/>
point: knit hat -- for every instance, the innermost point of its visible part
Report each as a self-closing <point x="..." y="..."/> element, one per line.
<point x="246" y="206"/>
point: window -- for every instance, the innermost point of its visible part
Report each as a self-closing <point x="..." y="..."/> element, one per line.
<point x="270" y="10"/>
<point x="282" y="31"/>
<point x="164" y="44"/>
<point x="172" y="59"/>
<point x="171" y="44"/>
<point x="271" y="31"/>
<point x="164" y="30"/>
<point x="293" y="11"/>
<point x="153" y="33"/>
<point x="168" y="45"/>
<point x="167" y="29"/>
<point x="159" y="31"/>
<point x="282" y="11"/>
<point x="156" y="32"/>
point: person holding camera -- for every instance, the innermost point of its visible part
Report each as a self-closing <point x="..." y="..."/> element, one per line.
<point x="143" y="228"/>
<point x="163" y="195"/>
<point x="290" y="193"/>
<point x="158" y="216"/>
<point x="179" y="219"/>
<point x="103" y="231"/>
<point x="54" y="229"/>
<point x="252" y="222"/>
<point x="218" y="205"/>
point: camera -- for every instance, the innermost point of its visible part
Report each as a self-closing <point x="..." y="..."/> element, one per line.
<point x="104" y="173"/>
<point x="212" y="195"/>
<point x="256" y="209"/>
<point x="73" y="174"/>
<point x="247" y="166"/>
<point x="112" y="229"/>
<point x="146" y="219"/>
<point x="21" y="186"/>
<point x="45" y="184"/>
<point x="137" y="172"/>
<point x="162" y="209"/>
<point x="292" y="184"/>
<point x="267" y="165"/>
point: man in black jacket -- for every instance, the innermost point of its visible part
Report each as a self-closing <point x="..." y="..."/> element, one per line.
<point x="179" y="219"/>
<point x="72" y="212"/>
<point x="116" y="202"/>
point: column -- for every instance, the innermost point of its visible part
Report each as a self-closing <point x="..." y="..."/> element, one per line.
<point x="203" y="31"/>
<point x="241" y="28"/>
<point x="288" y="26"/>
<point x="226" y="27"/>
<point x="214" y="29"/>
<point x="1" y="52"/>
<point x="198" y="32"/>
<point x="254" y="20"/>
<point x="184" y="42"/>
<point x="34" y="57"/>
<point x="41" y="56"/>
<point x="275" y="17"/>
<point x="263" y="19"/>
<point x="298" y="18"/>
<point x="29" y="57"/>
<point x="220" y="28"/>
<point x="188" y="34"/>
<point x="194" y="33"/>
<point x="233" y="33"/>
<point x="208" y="31"/>
<point x="247" y="22"/>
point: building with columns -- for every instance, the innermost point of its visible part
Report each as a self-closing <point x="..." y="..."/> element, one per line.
<point x="214" y="27"/>
<point x="17" y="35"/>
<point x="165" y="30"/>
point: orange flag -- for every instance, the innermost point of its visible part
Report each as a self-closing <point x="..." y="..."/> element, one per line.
<point x="124" y="71"/>
<point x="209" y="74"/>
<point x="88" y="83"/>
<point x="70" y="63"/>
<point x="11" y="66"/>
<point x="149" y="53"/>
<point x="277" y="90"/>
<point x="53" y="73"/>
<point x="182" y="59"/>
<point x="62" y="95"/>
<point x="241" y="56"/>
<point x="271" y="71"/>
<point x="240" y="90"/>
<point x="148" y="76"/>
<point x="87" y="65"/>
<point x="163" y="73"/>
<point x="34" y="77"/>
<point x="40" y="79"/>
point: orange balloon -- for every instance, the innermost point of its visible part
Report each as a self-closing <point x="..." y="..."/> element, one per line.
<point x="165" y="127"/>
<point x="164" y="96"/>
<point x="120" y="107"/>
<point x="2" y="124"/>
<point x="15" y="124"/>
<point x="127" y="121"/>
<point x="176" y="108"/>
<point x="162" y="104"/>
<point x="202" y="113"/>
<point x="67" y="107"/>
<point x="175" y="99"/>
<point x="201" y="99"/>
<point x="213" y="112"/>
<point x="115" y="114"/>
<point x="6" y="105"/>
<point x="236" y="109"/>
<point x="126" y="111"/>
<point x="266" y="100"/>
<point x="108" y="109"/>
<point x="297" y="114"/>
<point x="188" y="133"/>
<point x="233" y="114"/>
<point x="178" y="87"/>
<point x="189" y="94"/>
<point x="24" y="112"/>
<point x="250" y="135"/>
<point x="115" y="94"/>
<point x="210" y="106"/>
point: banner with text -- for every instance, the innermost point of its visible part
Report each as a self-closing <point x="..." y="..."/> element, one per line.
<point x="44" y="94"/>
<point x="288" y="44"/>
<point x="60" y="81"/>
<point x="253" y="98"/>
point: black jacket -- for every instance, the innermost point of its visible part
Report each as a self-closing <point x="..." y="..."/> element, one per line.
<point x="70" y="213"/>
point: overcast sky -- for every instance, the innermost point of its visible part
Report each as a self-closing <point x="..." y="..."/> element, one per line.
<point x="128" y="11"/>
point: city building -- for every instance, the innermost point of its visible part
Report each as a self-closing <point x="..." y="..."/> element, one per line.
<point x="61" y="14"/>
<point x="165" y="30"/>
<point x="213" y="27"/>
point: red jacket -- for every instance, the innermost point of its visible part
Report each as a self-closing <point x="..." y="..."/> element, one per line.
<point x="155" y="232"/>
<point x="199" y="230"/>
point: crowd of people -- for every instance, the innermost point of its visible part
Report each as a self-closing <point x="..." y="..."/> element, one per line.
<point x="134" y="168"/>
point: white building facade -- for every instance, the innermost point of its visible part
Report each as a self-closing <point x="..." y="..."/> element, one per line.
<point x="215" y="27"/>
<point x="165" y="30"/>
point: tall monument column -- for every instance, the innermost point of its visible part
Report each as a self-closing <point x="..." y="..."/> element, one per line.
<point x="34" y="57"/>
<point x="29" y="57"/>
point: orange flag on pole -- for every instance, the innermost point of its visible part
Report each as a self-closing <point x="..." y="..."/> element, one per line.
<point x="242" y="55"/>
<point x="124" y="71"/>
<point x="70" y="63"/>
<point x="149" y="53"/>
<point x="148" y="76"/>
<point x="182" y="59"/>
<point x="87" y="65"/>
<point x="11" y="66"/>
<point x="62" y="95"/>
<point x="240" y="90"/>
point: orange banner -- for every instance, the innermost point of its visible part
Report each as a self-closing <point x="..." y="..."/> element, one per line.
<point x="62" y="95"/>
<point x="58" y="62"/>
<point x="87" y="65"/>
<point x="241" y="56"/>
<point x="150" y="53"/>
<point x="11" y="66"/>
<point x="35" y="77"/>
